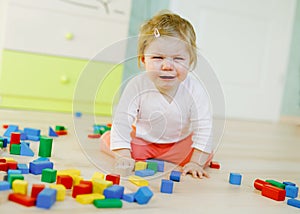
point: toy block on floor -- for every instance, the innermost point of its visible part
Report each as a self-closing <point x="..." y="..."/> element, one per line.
<point x="15" y="149"/>
<point x="291" y="191"/>
<point x="13" y="171"/>
<point x="175" y="176"/>
<point x="98" y="175"/>
<point x="143" y="195"/>
<point x="289" y="183"/>
<point x="140" y="165"/>
<point x="94" y="136"/>
<point x="129" y="197"/>
<point x="80" y="189"/>
<point x="37" y="167"/>
<point x="48" y="175"/>
<point x="14" y="177"/>
<point x="61" y="191"/>
<point x="100" y="185"/>
<point x="4" y="185"/>
<point x="25" y="150"/>
<point x="89" y="183"/>
<point x="114" y="191"/>
<point x="11" y="164"/>
<point x="22" y="199"/>
<point x="108" y="203"/>
<point x="214" y="165"/>
<point x="293" y="202"/>
<point x="46" y="198"/>
<point x="32" y="134"/>
<point x="137" y="180"/>
<point x="273" y="192"/>
<point x="235" y="178"/>
<point x="3" y="167"/>
<point x="276" y="184"/>
<point x="113" y="177"/>
<point x="45" y="147"/>
<point x="258" y="184"/>
<point x="89" y="198"/>
<point x="65" y="180"/>
<point x="36" y="189"/>
<point x="166" y="186"/>
<point x="52" y="133"/>
<point x="15" y="138"/>
<point x="20" y="186"/>
<point x="152" y="165"/>
<point x="10" y="129"/>
<point x="145" y="172"/>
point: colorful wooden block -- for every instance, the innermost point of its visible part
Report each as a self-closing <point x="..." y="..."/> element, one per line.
<point x="52" y="133"/>
<point x="114" y="191"/>
<point x="258" y="184"/>
<point x="14" y="177"/>
<point x="293" y="202"/>
<point x="129" y="197"/>
<point x="175" y="176"/>
<point x="10" y="129"/>
<point x="25" y="150"/>
<point x="22" y="199"/>
<point x="65" y="180"/>
<point x="235" y="178"/>
<point x="140" y="165"/>
<point x="15" y="138"/>
<point x="291" y="191"/>
<point x="89" y="183"/>
<point x="4" y="185"/>
<point x="98" y="175"/>
<point x="214" y="165"/>
<point x="36" y="189"/>
<point x="99" y="185"/>
<point x="152" y="165"/>
<point x="115" y="178"/>
<point x="145" y="172"/>
<point x="20" y="186"/>
<point x="89" y="198"/>
<point x="37" y="167"/>
<point x="46" y="198"/>
<point x="48" y="175"/>
<point x="80" y="189"/>
<point x="143" y="195"/>
<point x="289" y="183"/>
<point x="137" y="180"/>
<point x="108" y="203"/>
<point x="23" y="168"/>
<point x="166" y="186"/>
<point x="273" y="192"/>
<point x="61" y="191"/>
<point x="276" y="184"/>
<point x="45" y="147"/>
<point x="15" y="149"/>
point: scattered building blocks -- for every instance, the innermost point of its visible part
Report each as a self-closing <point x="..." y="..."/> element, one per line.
<point x="89" y="183"/>
<point x="235" y="178"/>
<point x="22" y="199"/>
<point x="289" y="183"/>
<point x="48" y="175"/>
<point x="46" y="198"/>
<point x="137" y="180"/>
<point x="99" y="185"/>
<point x="13" y="172"/>
<point x="77" y="179"/>
<point x="145" y="172"/>
<point x="293" y="202"/>
<point x="63" y="132"/>
<point x="152" y="165"/>
<point x="273" y="192"/>
<point x="140" y="165"/>
<point x="115" y="191"/>
<point x="4" y="185"/>
<point x="94" y="135"/>
<point x="214" y="165"/>
<point x="114" y="178"/>
<point x="98" y="175"/>
<point x="143" y="195"/>
<point x="89" y="198"/>
<point x="37" y="167"/>
<point x="80" y="189"/>
<point x="276" y="184"/>
<point x="175" y="176"/>
<point x="129" y="197"/>
<point x="13" y="177"/>
<point x="10" y="129"/>
<point x="108" y="203"/>
<point x="36" y="189"/>
<point x="25" y="150"/>
<point x="166" y="186"/>
<point x="5" y="126"/>
<point x="32" y="134"/>
<point x="52" y="133"/>
<point x="258" y="184"/>
<point x="15" y="138"/>
<point x="65" y="180"/>
<point x="11" y="164"/>
<point x="15" y="149"/>
<point x="20" y="186"/>
<point x="291" y="191"/>
<point x="3" y="167"/>
<point x="61" y="191"/>
<point x="45" y="147"/>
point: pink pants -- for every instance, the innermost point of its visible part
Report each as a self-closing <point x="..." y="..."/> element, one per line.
<point x="178" y="153"/>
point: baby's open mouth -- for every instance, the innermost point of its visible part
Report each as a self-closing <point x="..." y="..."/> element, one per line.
<point x="167" y="77"/>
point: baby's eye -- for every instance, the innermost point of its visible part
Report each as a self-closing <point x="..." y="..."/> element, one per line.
<point x="178" y="58"/>
<point x="156" y="57"/>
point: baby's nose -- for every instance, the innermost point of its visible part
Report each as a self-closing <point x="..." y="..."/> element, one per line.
<point x="167" y="64"/>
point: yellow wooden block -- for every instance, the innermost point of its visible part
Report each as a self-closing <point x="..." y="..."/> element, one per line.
<point x="88" y="198"/>
<point x="98" y="175"/>
<point x="137" y="180"/>
<point x="20" y="186"/>
<point x="70" y="172"/>
<point x="77" y="179"/>
<point x="99" y="185"/>
<point x="140" y="165"/>
<point x="61" y="191"/>
<point x="9" y="159"/>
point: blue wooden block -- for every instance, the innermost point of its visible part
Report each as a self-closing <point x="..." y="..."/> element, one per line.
<point x="78" y="114"/>
<point x="129" y="197"/>
<point x="10" y="129"/>
<point x="46" y="198"/>
<point x="4" y="185"/>
<point x="41" y="159"/>
<point x="145" y="172"/>
<point x="289" y="183"/>
<point x="235" y="178"/>
<point x="13" y="172"/>
<point x="160" y="164"/>
<point x="166" y="186"/>
<point x="32" y="132"/>
<point x="175" y="176"/>
<point x="33" y="138"/>
<point x="5" y="142"/>
<point x="291" y="191"/>
<point x="23" y="167"/>
<point x="25" y="150"/>
<point x="37" y="167"/>
<point x="114" y="191"/>
<point x="52" y="133"/>
<point x="293" y="202"/>
<point x="143" y="195"/>
<point x="23" y="136"/>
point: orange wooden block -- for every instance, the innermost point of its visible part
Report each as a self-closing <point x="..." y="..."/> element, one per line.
<point x="273" y="192"/>
<point x="22" y="199"/>
<point x="214" y="165"/>
<point x="94" y="135"/>
<point x="258" y="184"/>
<point x="61" y="132"/>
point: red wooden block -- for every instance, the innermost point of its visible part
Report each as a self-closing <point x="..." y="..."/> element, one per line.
<point x="2" y="160"/>
<point x="258" y="184"/>
<point x="5" y="126"/>
<point x="36" y="189"/>
<point x="12" y="164"/>
<point x="15" y="138"/>
<point x="65" y="180"/>
<point x="94" y="135"/>
<point x="3" y="167"/>
<point x="61" y="132"/>
<point x="109" y="125"/>
<point x="214" y="165"/>
<point x="273" y="192"/>
<point x="89" y="183"/>
<point x="22" y="199"/>
<point x="81" y="189"/>
<point x="114" y="178"/>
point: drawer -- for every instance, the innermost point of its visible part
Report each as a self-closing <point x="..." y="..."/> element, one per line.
<point x="56" y="78"/>
<point x="70" y="35"/>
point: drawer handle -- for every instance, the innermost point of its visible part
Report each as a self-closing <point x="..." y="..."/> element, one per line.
<point x="69" y="36"/>
<point x="64" y="79"/>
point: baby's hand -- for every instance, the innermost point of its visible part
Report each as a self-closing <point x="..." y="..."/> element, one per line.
<point x="124" y="164"/>
<point x="195" y="170"/>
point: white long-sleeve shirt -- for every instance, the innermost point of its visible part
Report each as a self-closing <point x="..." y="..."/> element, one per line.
<point x="160" y="121"/>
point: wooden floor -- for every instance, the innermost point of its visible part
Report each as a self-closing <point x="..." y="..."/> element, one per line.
<point x="256" y="150"/>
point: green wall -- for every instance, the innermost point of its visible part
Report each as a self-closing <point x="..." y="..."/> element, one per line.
<point x="291" y="97"/>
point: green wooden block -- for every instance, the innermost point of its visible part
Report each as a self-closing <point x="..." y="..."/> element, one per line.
<point x="13" y="177"/>
<point x="60" y="128"/>
<point x="108" y="203"/>
<point x="49" y="175"/>
<point x="45" y="147"/>
<point x="152" y="165"/>
<point x="1" y="144"/>
<point x="15" y="149"/>
<point x="276" y="184"/>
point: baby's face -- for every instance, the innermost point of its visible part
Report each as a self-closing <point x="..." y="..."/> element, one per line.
<point x="167" y="61"/>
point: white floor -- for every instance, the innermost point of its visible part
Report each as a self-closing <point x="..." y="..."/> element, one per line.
<point x="256" y="150"/>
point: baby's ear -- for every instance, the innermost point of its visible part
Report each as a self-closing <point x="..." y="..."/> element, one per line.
<point x="143" y="59"/>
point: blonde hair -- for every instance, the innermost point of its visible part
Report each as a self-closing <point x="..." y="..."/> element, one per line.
<point x="167" y="23"/>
